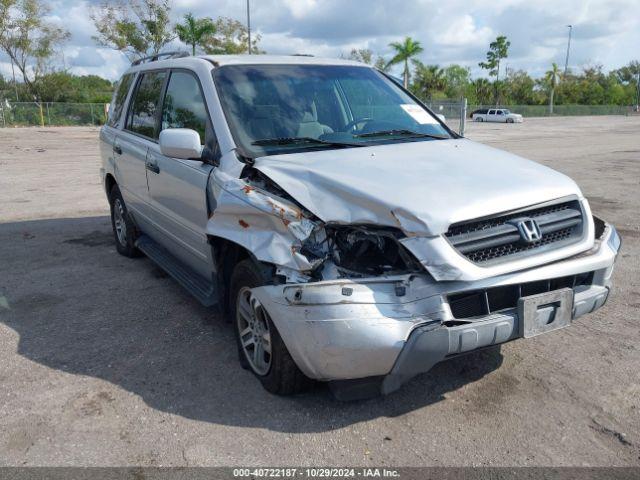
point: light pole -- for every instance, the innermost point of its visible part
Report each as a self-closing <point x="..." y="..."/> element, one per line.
<point x="249" y="26"/>
<point x="566" y="61"/>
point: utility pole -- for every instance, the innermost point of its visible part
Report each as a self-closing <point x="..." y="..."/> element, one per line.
<point x="249" y="25"/>
<point x="566" y="61"/>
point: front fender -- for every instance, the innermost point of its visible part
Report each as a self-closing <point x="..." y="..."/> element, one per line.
<point x="269" y="227"/>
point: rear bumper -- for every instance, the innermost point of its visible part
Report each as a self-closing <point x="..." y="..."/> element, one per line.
<point x="392" y="329"/>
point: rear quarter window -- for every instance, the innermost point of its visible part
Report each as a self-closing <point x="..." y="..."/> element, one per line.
<point x="119" y="97"/>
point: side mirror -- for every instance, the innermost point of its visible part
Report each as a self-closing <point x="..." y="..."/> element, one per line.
<point x="441" y="117"/>
<point x="181" y="143"/>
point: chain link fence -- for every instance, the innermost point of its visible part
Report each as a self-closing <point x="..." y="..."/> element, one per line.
<point x="24" y="114"/>
<point x="457" y="112"/>
<point x="561" y="110"/>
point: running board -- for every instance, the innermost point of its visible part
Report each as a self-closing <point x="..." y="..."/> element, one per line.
<point x="201" y="288"/>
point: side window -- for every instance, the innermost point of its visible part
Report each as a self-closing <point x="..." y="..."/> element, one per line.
<point x="500" y="112"/>
<point x="491" y="112"/>
<point x="119" y="96"/>
<point x="184" y="105"/>
<point x="144" y="106"/>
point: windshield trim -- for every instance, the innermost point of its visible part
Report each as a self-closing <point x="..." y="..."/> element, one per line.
<point x="247" y="157"/>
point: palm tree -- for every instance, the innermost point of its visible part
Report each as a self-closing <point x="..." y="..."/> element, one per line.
<point x="552" y="78"/>
<point x="427" y="79"/>
<point x="194" y="30"/>
<point x="405" y="51"/>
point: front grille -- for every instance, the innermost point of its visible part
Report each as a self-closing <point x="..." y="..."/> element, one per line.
<point x="477" y="303"/>
<point x="494" y="239"/>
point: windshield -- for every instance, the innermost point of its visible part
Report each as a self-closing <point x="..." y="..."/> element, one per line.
<point x="285" y="108"/>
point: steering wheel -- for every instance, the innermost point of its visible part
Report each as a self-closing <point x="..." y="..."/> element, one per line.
<point x="349" y="126"/>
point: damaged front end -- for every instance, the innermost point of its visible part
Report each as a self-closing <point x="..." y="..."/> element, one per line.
<point x="250" y="213"/>
<point x="355" y="307"/>
<point x="256" y="214"/>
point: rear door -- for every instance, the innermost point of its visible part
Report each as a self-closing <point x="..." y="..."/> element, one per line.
<point x="177" y="188"/>
<point x="132" y="144"/>
<point x="491" y="116"/>
<point x="109" y="132"/>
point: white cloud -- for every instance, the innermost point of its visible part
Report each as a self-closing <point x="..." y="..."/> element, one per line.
<point x="605" y="31"/>
<point x="300" y="8"/>
<point x="463" y="31"/>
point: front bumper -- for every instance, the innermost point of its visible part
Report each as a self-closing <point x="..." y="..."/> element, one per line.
<point x="397" y="327"/>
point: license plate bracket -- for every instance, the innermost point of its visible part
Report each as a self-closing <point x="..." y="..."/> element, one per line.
<point x="545" y="312"/>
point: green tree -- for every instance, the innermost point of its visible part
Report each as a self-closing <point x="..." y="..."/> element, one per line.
<point x="427" y="80"/>
<point x="363" y="55"/>
<point x="194" y="30"/>
<point x="552" y="78"/>
<point x="137" y="27"/>
<point x="519" y="89"/>
<point x="457" y="80"/>
<point x="405" y="51"/>
<point x="628" y="73"/>
<point x="381" y="64"/>
<point x="482" y="90"/>
<point x="498" y="50"/>
<point x="231" y="37"/>
<point x="29" y="40"/>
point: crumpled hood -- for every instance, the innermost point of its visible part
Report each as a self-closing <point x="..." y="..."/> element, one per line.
<point x="421" y="187"/>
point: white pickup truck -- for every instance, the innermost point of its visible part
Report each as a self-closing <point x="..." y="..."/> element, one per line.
<point x="501" y="115"/>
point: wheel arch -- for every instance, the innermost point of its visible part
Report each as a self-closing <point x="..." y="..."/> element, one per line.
<point x="109" y="182"/>
<point x="227" y="254"/>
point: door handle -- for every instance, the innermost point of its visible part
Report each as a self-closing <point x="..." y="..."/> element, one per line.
<point x="152" y="167"/>
<point x="117" y="149"/>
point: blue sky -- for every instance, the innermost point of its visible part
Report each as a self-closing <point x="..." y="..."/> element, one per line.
<point x="451" y="31"/>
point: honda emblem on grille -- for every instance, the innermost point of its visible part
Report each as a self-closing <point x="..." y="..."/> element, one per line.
<point x="528" y="229"/>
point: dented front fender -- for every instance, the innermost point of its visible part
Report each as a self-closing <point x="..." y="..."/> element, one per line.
<point x="272" y="228"/>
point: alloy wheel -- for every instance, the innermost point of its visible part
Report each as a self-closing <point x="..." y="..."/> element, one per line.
<point x="253" y="328"/>
<point x="119" y="222"/>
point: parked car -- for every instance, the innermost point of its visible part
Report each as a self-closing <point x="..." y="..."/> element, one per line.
<point x="349" y="234"/>
<point x="501" y="115"/>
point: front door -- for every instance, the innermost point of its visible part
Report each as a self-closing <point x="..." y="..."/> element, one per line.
<point x="178" y="188"/>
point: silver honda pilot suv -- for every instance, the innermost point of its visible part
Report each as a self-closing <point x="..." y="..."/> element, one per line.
<point x="349" y="234"/>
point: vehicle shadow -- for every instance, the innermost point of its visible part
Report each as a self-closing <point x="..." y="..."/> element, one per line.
<point x="80" y="308"/>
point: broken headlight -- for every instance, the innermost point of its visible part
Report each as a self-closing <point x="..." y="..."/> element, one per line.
<point x="369" y="250"/>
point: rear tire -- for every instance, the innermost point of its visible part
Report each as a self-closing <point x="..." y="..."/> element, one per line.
<point x="124" y="231"/>
<point x="479" y="119"/>
<point x="260" y="347"/>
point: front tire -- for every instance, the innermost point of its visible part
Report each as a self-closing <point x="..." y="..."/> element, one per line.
<point x="260" y="347"/>
<point x="124" y="231"/>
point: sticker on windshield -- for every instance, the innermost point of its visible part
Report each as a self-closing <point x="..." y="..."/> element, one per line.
<point x="418" y="113"/>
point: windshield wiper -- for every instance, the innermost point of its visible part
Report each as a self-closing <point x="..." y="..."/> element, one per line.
<point x="401" y="132"/>
<point x="301" y="141"/>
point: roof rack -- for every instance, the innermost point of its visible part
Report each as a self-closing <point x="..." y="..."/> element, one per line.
<point x="158" y="56"/>
<point x="301" y="55"/>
